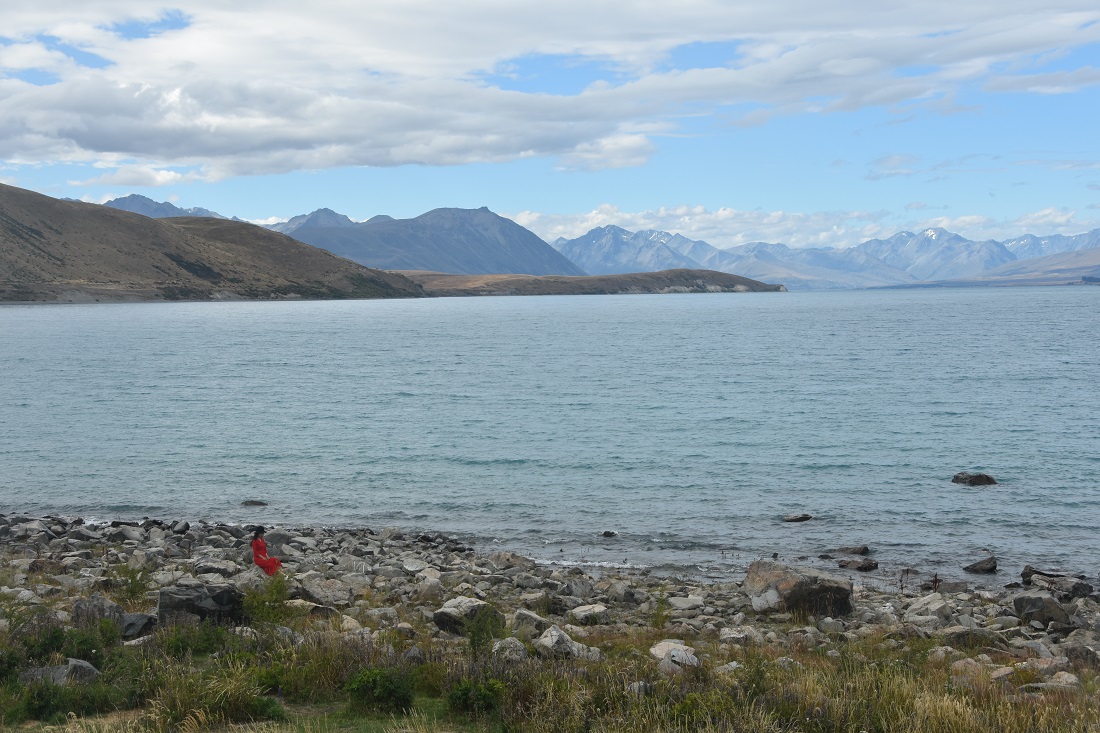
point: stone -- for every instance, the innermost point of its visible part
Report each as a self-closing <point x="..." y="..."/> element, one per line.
<point x="689" y="603"/>
<point x="674" y="655"/>
<point x="610" y="533"/>
<point x="933" y="604"/>
<point x="773" y="586"/>
<point x="728" y="668"/>
<point x="555" y="643"/>
<point x="181" y="527"/>
<point x="863" y="565"/>
<point x="456" y="613"/>
<point x="90" y="611"/>
<point x="73" y="672"/>
<point x="1039" y="606"/>
<point x="528" y="624"/>
<point x="595" y="613"/>
<point x="797" y="517"/>
<point x="854" y="550"/>
<point x="972" y="637"/>
<point x="510" y="650"/>
<point x="988" y="565"/>
<point x="191" y="599"/>
<point x="326" y="592"/>
<point x="135" y="625"/>
<point x="973" y="479"/>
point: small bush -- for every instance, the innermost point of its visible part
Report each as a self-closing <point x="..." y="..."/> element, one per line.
<point x="429" y="679"/>
<point x="380" y="689"/>
<point x="127" y="585"/>
<point x="51" y="703"/>
<point x="476" y="698"/>
<point x="481" y="630"/>
<point x="267" y="604"/>
<point x="201" y="639"/>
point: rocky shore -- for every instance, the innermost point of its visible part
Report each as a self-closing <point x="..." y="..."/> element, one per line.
<point x="359" y="582"/>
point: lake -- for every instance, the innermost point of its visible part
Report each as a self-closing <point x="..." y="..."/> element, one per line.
<point x="688" y="424"/>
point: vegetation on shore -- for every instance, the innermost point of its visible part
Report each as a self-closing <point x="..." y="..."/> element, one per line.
<point x="288" y="672"/>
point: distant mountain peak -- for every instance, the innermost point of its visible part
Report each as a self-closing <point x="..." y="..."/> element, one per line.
<point x="138" y="204"/>
<point x="320" y="218"/>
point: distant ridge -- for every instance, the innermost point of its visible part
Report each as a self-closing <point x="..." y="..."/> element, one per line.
<point x="907" y="258"/>
<point x="458" y="241"/>
<point x="63" y="251"/>
<point x="137" y="204"/>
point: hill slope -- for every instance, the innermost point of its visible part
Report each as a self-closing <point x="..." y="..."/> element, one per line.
<point x="460" y="241"/>
<point x="665" y="281"/>
<point x="53" y="250"/>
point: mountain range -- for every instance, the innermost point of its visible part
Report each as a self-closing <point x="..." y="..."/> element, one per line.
<point x="478" y="242"/>
<point x="907" y="258"/>
<point x="54" y="250"/>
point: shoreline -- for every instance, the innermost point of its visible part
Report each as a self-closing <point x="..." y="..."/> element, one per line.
<point x="417" y="599"/>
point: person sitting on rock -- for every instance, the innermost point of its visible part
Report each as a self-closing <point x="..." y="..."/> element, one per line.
<point x="259" y="553"/>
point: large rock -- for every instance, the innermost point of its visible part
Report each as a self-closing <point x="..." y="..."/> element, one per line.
<point x="458" y="612"/>
<point x="90" y="611"/>
<point x="771" y="585"/>
<point x="973" y="479"/>
<point x="528" y="624"/>
<point x="557" y="644"/>
<point x="190" y="599"/>
<point x="988" y="565"/>
<point x="73" y="672"/>
<point x="1039" y="606"/>
<point x="932" y="605"/>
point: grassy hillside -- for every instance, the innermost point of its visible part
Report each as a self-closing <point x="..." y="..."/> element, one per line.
<point x="65" y="251"/>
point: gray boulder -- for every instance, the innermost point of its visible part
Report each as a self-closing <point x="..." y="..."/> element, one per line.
<point x="190" y="599"/>
<point x="90" y="611"/>
<point x="135" y="625"/>
<point x="457" y="613"/>
<point x="509" y="649"/>
<point x="1039" y="606"/>
<point x="773" y="586"/>
<point x="556" y="644"/>
<point x="988" y="565"/>
<point x="73" y="672"/>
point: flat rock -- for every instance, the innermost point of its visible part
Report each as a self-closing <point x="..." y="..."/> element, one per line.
<point x="797" y="517"/>
<point x="988" y="565"/>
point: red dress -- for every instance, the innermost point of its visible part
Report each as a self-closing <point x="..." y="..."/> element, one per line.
<point x="259" y="556"/>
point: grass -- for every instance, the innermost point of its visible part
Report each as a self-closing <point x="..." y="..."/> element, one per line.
<point x="210" y="678"/>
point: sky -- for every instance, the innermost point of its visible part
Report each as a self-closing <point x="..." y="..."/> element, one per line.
<point x="795" y="121"/>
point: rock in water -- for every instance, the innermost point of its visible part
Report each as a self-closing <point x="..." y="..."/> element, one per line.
<point x="973" y="479"/>
<point x="771" y="585"/>
<point x="988" y="565"/>
<point x="797" y="518"/>
<point x="863" y="564"/>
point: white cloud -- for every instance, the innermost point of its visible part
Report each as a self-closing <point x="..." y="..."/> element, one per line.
<point x="139" y="175"/>
<point x="372" y="84"/>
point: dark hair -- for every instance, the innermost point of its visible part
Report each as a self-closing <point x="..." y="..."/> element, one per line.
<point x="258" y="531"/>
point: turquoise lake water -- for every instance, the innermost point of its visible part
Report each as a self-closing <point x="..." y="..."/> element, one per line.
<point x="689" y="424"/>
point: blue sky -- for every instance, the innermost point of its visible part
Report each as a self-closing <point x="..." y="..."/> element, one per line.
<point x="806" y="123"/>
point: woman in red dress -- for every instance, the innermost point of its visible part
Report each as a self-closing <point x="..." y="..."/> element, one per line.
<point x="259" y="553"/>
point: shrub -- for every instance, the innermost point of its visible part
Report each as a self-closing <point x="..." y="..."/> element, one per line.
<point x="51" y="703"/>
<point x="222" y="695"/>
<point x="482" y="629"/>
<point x="387" y="690"/>
<point x="476" y="698"/>
<point x="267" y="604"/>
<point x="127" y="585"/>
<point x="204" y="638"/>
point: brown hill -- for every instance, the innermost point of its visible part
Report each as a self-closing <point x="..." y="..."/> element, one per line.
<point x="665" y="281"/>
<point x="53" y="250"/>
